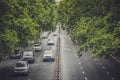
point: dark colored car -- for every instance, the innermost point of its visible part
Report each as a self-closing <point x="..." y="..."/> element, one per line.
<point x="29" y="60"/>
<point x="16" y="55"/>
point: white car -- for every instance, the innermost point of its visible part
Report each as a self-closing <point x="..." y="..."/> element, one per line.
<point x="50" y="42"/>
<point x="48" y="57"/>
<point x="21" y="67"/>
<point x="48" y="51"/>
<point x="37" y="47"/>
<point x="45" y="35"/>
<point x="54" y="34"/>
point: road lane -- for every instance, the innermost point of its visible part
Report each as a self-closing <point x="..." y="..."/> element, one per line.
<point x="38" y="71"/>
<point x="103" y="69"/>
<point x="70" y="69"/>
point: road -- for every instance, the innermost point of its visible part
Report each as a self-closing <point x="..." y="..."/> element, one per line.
<point x="38" y="71"/>
<point x="85" y="67"/>
<point x="72" y="67"/>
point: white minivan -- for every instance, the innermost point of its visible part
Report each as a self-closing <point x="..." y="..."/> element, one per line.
<point x="28" y="56"/>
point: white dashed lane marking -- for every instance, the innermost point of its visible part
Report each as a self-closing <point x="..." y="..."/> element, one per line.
<point x="108" y="73"/>
<point x="103" y="67"/>
<point x="113" y="78"/>
<point x="85" y="78"/>
<point x="81" y="67"/>
<point x="79" y="62"/>
<point x="83" y="72"/>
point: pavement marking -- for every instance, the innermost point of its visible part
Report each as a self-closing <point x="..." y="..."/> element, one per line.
<point x="79" y="62"/>
<point x="113" y="78"/>
<point x="29" y="79"/>
<point x="81" y="67"/>
<point x="103" y="67"/>
<point x="116" y="59"/>
<point x="85" y="78"/>
<point x="108" y="73"/>
<point x="83" y="72"/>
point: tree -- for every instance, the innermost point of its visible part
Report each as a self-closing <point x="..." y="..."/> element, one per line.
<point x="94" y="24"/>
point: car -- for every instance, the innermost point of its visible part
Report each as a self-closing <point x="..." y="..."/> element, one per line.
<point x="48" y="55"/>
<point x="21" y="67"/>
<point x="28" y="56"/>
<point x="54" y="34"/>
<point x="16" y="55"/>
<point x="37" y="47"/>
<point x="48" y="51"/>
<point x="45" y="35"/>
<point x="50" y="42"/>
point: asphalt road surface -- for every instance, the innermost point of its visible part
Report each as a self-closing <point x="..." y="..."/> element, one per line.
<point x="85" y="67"/>
<point x="72" y="67"/>
<point x="38" y="71"/>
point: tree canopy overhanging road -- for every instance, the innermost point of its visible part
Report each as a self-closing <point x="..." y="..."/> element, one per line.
<point x="21" y="21"/>
<point x="83" y="35"/>
<point x="94" y="24"/>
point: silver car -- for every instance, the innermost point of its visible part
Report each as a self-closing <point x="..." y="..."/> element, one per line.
<point x="48" y="57"/>
<point x="50" y="42"/>
<point x="37" y="47"/>
<point x="21" y="67"/>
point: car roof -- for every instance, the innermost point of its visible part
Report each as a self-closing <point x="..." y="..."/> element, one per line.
<point x="48" y="51"/>
<point x="28" y="52"/>
<point x="48" y="54"/>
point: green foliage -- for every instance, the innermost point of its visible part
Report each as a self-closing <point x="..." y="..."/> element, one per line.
<point x="22" y="21"/>
<point x="94" y="24"/>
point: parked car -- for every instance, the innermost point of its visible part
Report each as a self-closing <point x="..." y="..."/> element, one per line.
<point x="28" y="56"/>
<point x="50" y="42"/>
<point x="37" y="47"/>
<point x="48" y="56"/>
<point x="17" y="54"/>
<point x="21" y="67"/>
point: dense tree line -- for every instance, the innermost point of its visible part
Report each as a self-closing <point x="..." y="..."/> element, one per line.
<point x="95" y="24"/>
<point x="22" y="20"/>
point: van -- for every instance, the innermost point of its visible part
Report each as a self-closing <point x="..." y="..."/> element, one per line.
<point x="28" y="56"/>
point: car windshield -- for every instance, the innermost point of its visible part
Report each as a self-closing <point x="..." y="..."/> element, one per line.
<point x="20" y="64"/>
<point x="47" y="56"/>
<point x="37" y="45"/>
